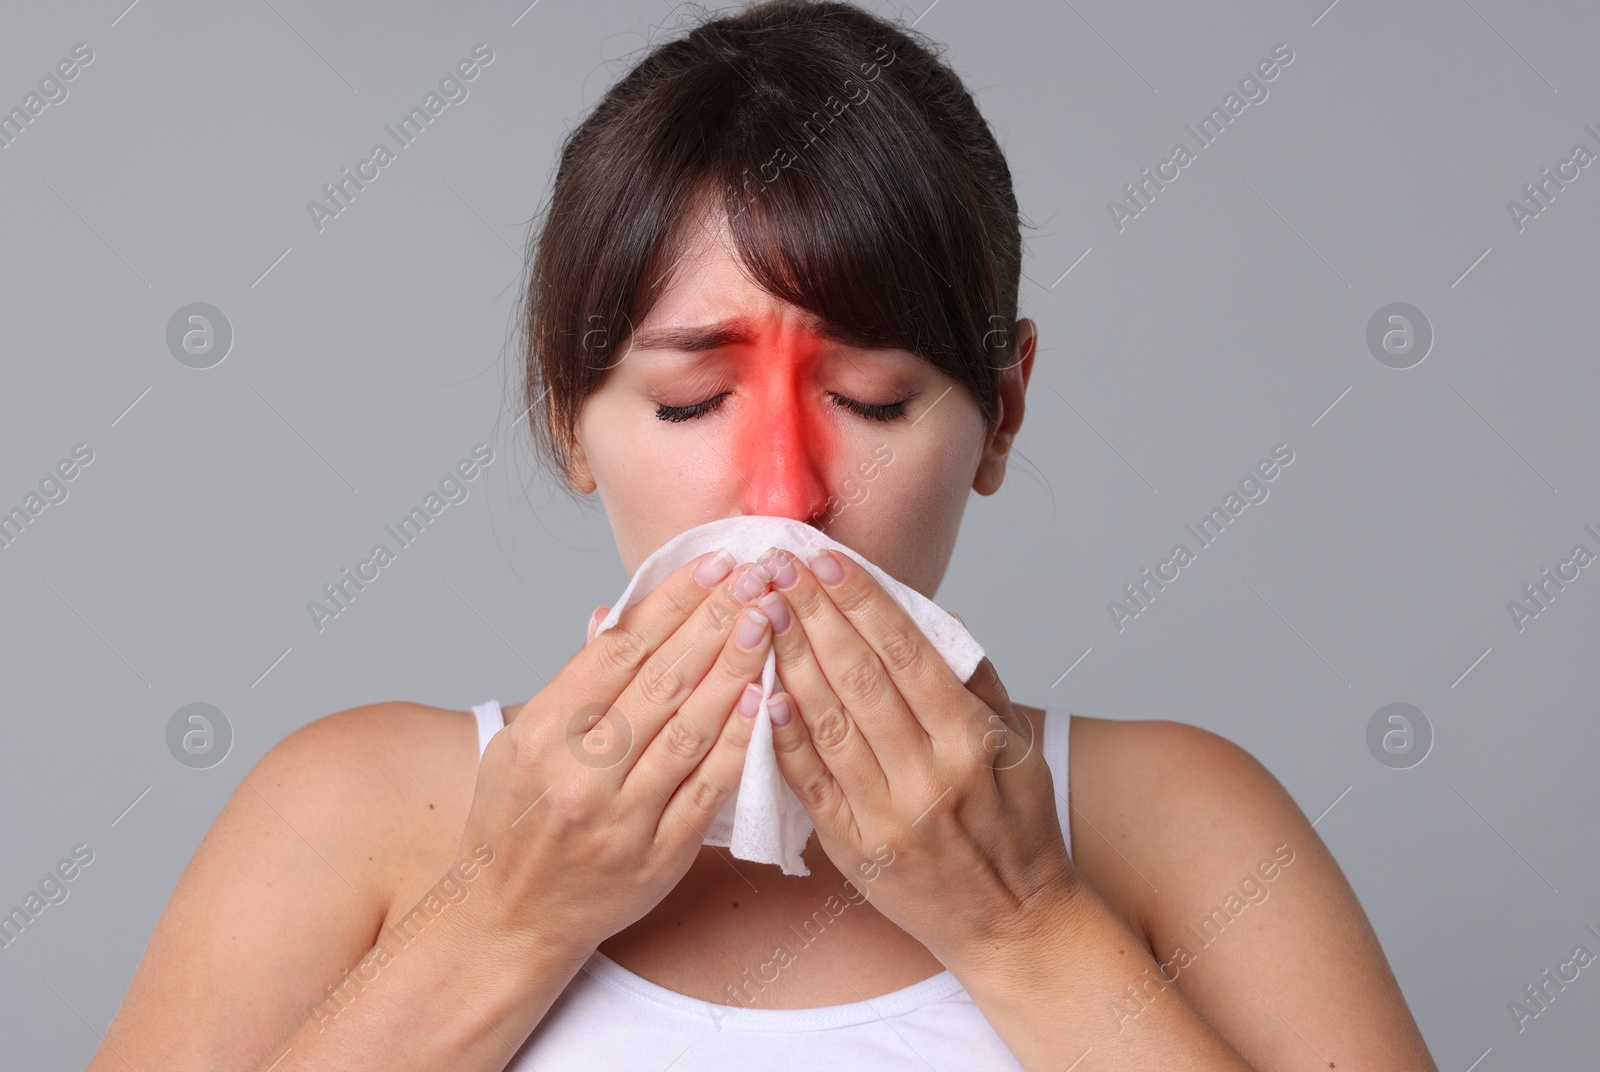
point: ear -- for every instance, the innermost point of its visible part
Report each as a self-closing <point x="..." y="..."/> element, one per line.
<point x="578" y="474"/>
<point x="1013" y="389"/>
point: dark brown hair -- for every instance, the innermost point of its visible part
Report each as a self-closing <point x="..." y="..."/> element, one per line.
<point x="858" y="178"/>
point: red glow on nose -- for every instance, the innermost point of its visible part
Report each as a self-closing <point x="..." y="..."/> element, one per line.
<point x="784" y="442"/>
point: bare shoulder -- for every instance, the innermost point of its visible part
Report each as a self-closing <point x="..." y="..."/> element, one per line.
<point x="1163" y="762"/>
<point x="1163" y="803"/>
<point x="292" y="881"/>
<point x="394" y="776"/>
<point x="376" y="744"/>
<point x="1195" y="844"/>
<point x="1156" y="802"/>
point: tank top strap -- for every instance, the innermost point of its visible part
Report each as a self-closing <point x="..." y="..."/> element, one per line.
<point x="1057" y="739"/>
<point x="490" y="721"/>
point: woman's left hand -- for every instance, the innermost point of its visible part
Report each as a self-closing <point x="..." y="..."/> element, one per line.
<point x="928" y="793"/>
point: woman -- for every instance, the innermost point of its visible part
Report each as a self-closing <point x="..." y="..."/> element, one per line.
<point x="779" y="248"/>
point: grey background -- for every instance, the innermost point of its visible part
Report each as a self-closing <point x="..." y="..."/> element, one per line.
<point x="1227" y="318"/>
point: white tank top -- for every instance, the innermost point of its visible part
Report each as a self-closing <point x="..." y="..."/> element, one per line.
<point x="610" y="1017"/>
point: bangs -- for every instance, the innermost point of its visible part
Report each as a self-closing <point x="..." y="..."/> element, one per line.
<point x="816" y="224"/>
<point x="820" y="205"/>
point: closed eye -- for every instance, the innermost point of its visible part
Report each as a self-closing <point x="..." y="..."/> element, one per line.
<point x="872" y="411"/>
<point x="665" y="412"/>
<point x="879" y="411"/>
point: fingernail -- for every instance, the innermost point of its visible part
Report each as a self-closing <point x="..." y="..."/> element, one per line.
<point x="751" y="628"/>
<point x="778" y="709"/>
<point x="777" y="612"/>
<point x="708" y="573"/>
<point x="750" y="583"/>
<point x="778" y="563"/>
<point x="750" y="701"/>
<point x="826" y="567"/>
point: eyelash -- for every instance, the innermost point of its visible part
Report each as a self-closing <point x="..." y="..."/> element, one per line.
<point x="883" y="411"/>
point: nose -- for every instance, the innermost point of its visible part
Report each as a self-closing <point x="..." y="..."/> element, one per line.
<point x="783" y="450"/>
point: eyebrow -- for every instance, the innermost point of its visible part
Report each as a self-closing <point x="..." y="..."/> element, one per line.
<point x="735" y="331"/>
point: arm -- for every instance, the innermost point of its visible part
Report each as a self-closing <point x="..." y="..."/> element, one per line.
<point x="1065" y="980"/>
<point x="286" y="892"/>
<point x="1253" y="917"/>
<point x="445" y="999"/>
<point x="562" y="840"/>
<point x="1253" y="925"/>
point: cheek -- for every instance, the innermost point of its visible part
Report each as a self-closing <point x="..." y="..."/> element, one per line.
<point x="927" y="475"/>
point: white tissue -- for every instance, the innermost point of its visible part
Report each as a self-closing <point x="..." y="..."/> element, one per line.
<point x="764" y="821"/>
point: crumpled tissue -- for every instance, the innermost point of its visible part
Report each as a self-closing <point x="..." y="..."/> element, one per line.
<point x="763" y="821"/>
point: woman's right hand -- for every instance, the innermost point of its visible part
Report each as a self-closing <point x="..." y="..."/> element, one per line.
<point x="595" y="798"/>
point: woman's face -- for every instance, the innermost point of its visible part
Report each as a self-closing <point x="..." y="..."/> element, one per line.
<point x="876" y="448"/>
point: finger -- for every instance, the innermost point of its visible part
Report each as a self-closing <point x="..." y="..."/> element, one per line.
<point x="915" y="671"/>
<point x="684" y="738"/>
<point x="832" y="647"/>
<point x="668" y="677"/>
<point x="860" y="761"/>
<point x="1023" y="784"/>
<point x="999" y="730"/>
<point x="813" y="783"/>
<point x="605" y="669"/>
<point x="660" y="671"/>
<point x="594" y="620"/>
<point x="701" y="795"/>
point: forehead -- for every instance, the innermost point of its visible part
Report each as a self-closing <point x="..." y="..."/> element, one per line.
<point x="707" y="282"/>
<point x="710" y="301"/>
